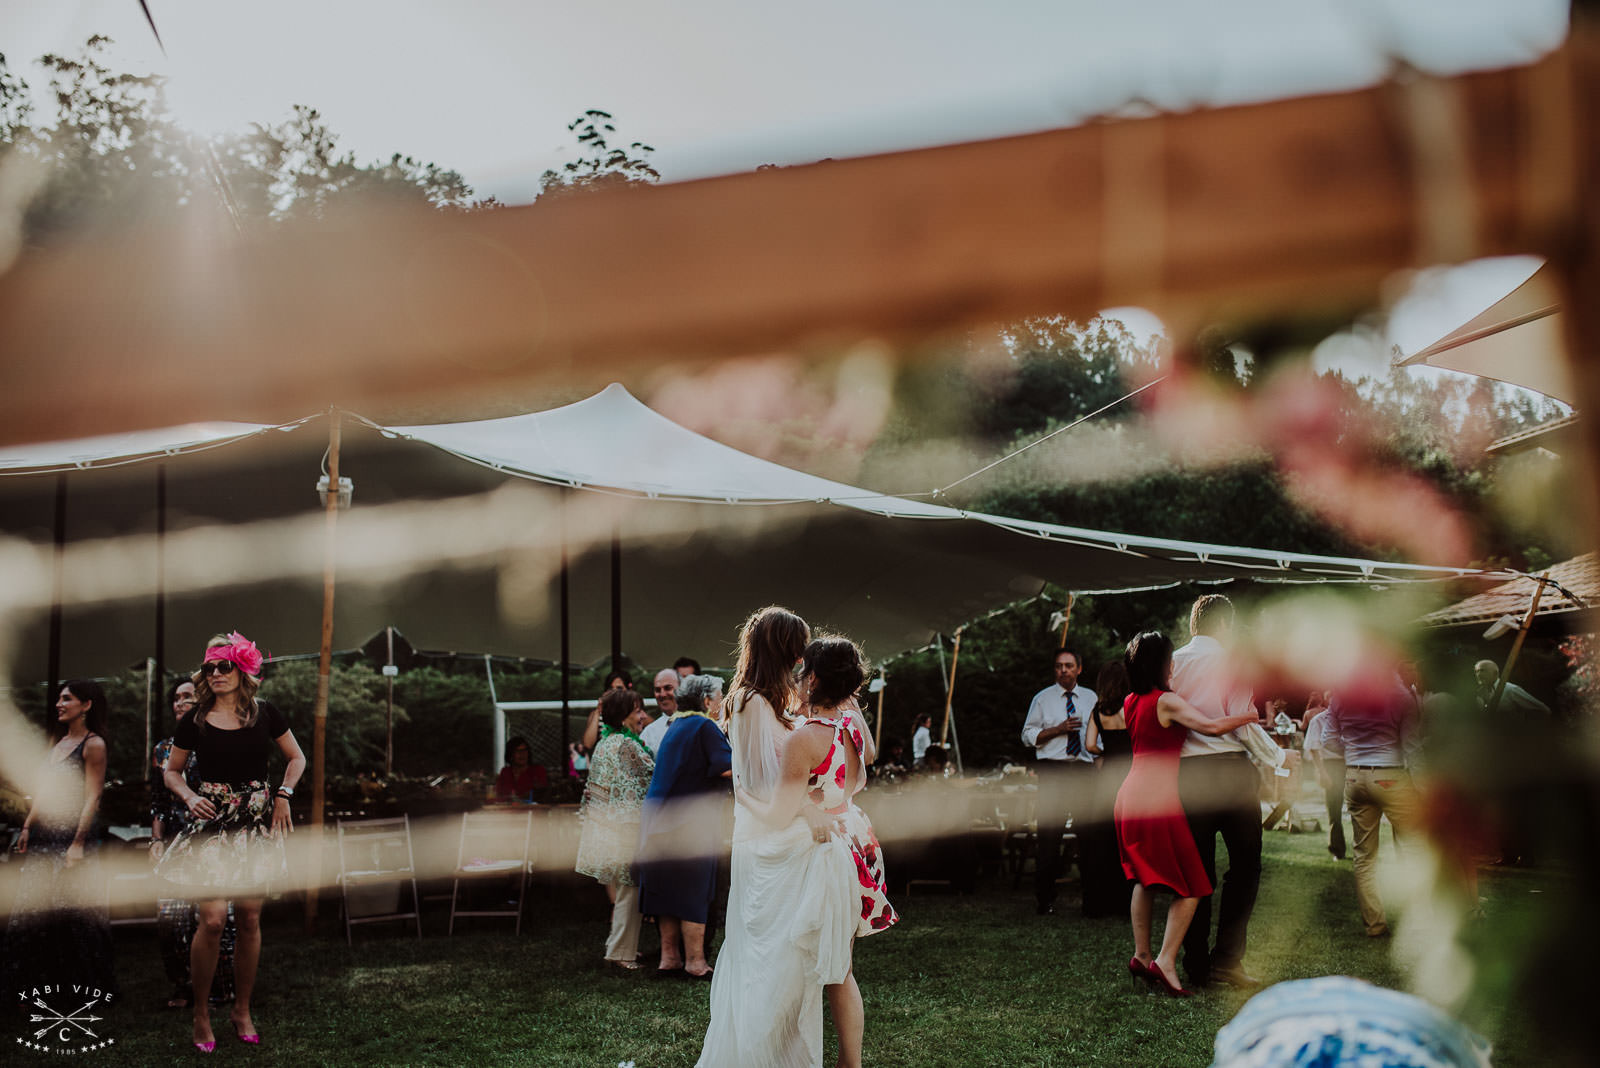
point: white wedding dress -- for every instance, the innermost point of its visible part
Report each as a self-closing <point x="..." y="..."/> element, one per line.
<point x="792" y="913"/>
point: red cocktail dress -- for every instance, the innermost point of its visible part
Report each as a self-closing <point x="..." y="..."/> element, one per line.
<point x="1152" y="833"/>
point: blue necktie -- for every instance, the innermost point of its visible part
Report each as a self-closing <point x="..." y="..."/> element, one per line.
<point x="1074" y="747"/>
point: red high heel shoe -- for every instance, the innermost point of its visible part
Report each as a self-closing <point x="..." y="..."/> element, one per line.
<point x="1165" y="985"/>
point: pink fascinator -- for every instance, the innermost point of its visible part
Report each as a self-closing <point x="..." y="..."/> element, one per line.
<point x="241" y="650"/>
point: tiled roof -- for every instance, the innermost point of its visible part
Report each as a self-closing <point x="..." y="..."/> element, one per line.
<point x="1548" y="435"/>
<point x="1580" y="576"/>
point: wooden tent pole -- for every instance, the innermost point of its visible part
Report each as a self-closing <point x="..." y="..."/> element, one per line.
<point x="950" y="689"/>
<point x="1516" y="646"/>
<point x="149" y="697"/>
<point x="1066" y="618"/>
<point x="319" y="736"/>
<point x="58" y="578"/>
<point x="877" y="735"/>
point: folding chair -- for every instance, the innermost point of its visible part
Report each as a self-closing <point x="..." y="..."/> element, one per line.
<point x="493" y="845"/>
<point x="131" y="898"/>
<point x="374" y="860"/>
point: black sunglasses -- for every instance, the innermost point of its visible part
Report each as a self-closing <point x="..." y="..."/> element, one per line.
<point x="217" y="667"/>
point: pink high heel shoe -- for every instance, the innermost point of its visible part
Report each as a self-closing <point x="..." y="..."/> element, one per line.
<point x="206" y="1047"/>
<point x="249" y="1040"/>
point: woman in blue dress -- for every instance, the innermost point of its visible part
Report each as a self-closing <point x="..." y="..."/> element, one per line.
<point x="681" y="831"/>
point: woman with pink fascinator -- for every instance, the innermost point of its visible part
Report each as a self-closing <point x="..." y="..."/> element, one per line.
<point x="233" y="846"/>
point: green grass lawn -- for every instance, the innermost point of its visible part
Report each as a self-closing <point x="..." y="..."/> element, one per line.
<point x="976" y="980"/>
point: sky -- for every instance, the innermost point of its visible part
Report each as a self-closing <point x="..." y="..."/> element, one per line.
<point x="486" y="87"/>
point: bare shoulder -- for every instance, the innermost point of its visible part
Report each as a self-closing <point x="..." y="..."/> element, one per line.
<point x="95" y="745"/>
<point x="812" y="737"/>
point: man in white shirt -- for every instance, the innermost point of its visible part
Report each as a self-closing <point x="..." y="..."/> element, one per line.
<point x="666" y="688"/>
<point x="1054" y="729"/>
<point x="1328" y="756"/>
<point x="1221" y="793"/>
<point x="921" y="739"/>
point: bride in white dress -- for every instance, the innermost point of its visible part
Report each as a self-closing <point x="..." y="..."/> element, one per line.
<point x="792" y="907"/>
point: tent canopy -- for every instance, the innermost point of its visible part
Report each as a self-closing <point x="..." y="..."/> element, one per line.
<point x="889" y="571"/>
<point x="1517" y="340"/>
<point x="117" y="450"/>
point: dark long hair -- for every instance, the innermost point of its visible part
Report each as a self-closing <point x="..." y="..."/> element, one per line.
<point x="770" y="642"/>
<point x="1111" y="688"/>
<point x="1149" y="661"/>
<point x="838" y="667"/>
<point x="95" y="719"/>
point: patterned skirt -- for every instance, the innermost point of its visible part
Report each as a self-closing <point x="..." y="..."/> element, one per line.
<point x="233" y="854"/>
<point x="871" y="882"/>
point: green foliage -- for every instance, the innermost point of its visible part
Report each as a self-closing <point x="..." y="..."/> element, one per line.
<point x="451" y="723"/>
<point x="961" y="981"/>
<point x="357" y="712"/>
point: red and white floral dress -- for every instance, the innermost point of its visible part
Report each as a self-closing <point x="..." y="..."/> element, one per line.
<point x="827" y="788"/>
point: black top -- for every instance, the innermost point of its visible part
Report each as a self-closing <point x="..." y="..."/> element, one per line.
<point x="1114" y="744"/>
<point x="233" y="757"/>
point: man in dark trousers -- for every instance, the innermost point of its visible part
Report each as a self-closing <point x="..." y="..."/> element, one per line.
<point x="1221" y="793"/>
<point x="1054" y="729"/>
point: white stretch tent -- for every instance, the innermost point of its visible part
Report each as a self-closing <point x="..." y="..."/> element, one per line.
<point x="1518" y="340"/>
<point x="889" y="571"/>
<point x="117" y="450"/>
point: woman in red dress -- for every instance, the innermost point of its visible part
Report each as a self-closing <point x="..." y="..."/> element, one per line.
<point x="1152" y="834"/>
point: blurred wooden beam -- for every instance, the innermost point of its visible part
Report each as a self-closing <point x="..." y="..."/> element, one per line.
<point x="1276" y="208"/>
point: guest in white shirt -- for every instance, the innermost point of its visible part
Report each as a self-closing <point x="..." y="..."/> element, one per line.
<point x="921" y="738"/>
<point x="1328" y="756"/>
<point x="666" y="689"/>
<point x="1055" y="730"/>
<point x="1221" y="792"/>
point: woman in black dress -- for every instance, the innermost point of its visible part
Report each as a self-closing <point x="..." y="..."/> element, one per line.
<point x="55" y="936"/>
<point x="233" y="846"/>
<point x="175" y="916"/>
<point x="1106" y="890"/>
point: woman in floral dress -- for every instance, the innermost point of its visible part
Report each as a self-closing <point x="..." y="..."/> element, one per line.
<point x="619" y="777"/>
<point x="233" y="846"/>
<point x="833" y="671"/>
<point x="175" y="917"/>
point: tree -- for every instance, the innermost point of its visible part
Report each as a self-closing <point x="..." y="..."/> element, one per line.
<point x="357" y="712"/>
<point x="600" y="164"/>
<point x="112" y="156"/>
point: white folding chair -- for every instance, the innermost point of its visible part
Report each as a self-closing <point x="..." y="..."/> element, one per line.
<point x="493" y="845"/>
<point x="375" y="861"/>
